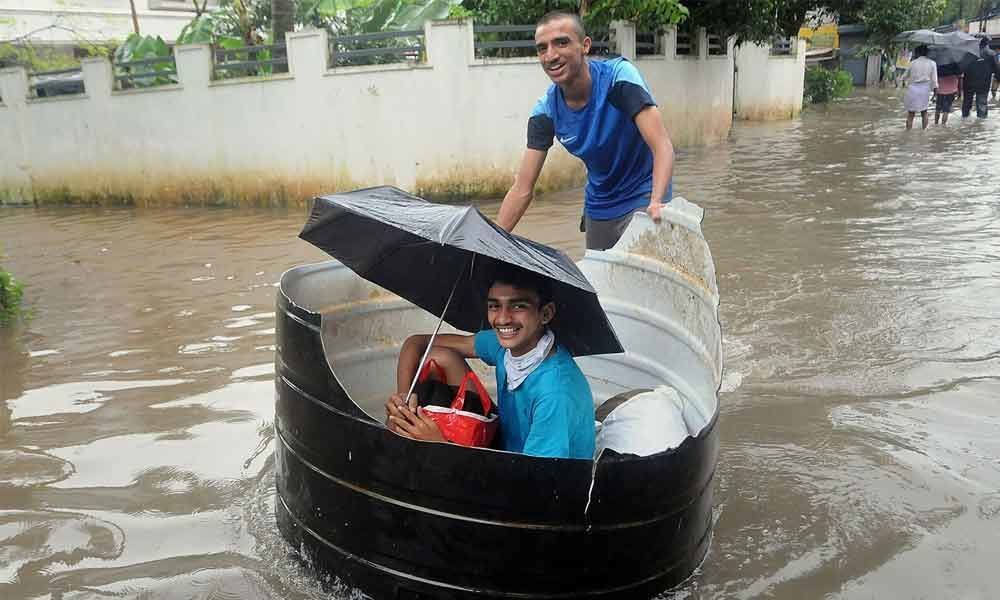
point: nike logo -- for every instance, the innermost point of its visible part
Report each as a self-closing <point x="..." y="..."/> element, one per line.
<point x="567" y="140"/>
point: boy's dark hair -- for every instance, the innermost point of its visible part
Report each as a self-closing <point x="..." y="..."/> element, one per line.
<point x="920" y="50"/>
<point x="984" y="42"/>
<point x="526" y="280"/>
<point x="562" y="14"/>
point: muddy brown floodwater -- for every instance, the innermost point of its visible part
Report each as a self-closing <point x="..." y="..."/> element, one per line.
<point x="859" y="266"/>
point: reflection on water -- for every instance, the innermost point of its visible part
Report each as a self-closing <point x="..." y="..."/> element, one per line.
<point x="858" y="265"/>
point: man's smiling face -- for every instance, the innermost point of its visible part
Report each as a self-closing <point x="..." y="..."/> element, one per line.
<point x="516" y="317"/>
<point x="560" y="50"/>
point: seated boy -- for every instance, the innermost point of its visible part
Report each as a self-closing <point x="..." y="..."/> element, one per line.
<point x="546" y="406"/>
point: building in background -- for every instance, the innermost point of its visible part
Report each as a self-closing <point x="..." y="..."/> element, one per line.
<point x="73" y="23"/>
<point x="988" y="24"/>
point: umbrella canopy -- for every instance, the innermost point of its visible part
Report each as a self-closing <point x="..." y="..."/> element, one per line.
<point x="952" y="51"/>
<point x="952" y="60"/>
<point x="929" y="37"/>
<point x="418" y="250"/>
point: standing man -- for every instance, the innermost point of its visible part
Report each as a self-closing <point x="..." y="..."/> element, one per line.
<point x="977" y="80"/>
<point x="601" y="112"/>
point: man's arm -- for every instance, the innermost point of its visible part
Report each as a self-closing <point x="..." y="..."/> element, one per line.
<point x="653" y="132"/>
<point x="522" y="192"/>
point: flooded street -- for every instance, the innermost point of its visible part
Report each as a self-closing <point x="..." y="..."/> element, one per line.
<point x="859" y="267"/>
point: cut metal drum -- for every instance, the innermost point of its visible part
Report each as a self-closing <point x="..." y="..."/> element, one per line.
<point x="402" y="519"/>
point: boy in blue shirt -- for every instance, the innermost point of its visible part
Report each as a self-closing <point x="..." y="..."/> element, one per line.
<point x="546" y="406"/>
<point x="603" y="113"/>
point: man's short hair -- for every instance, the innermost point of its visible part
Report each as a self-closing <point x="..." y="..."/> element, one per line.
<point x="555" y="15"/>
<point x="525" y="280"/>
<point x="984" y="41"/>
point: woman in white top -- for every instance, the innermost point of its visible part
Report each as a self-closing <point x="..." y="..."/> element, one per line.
<point x="922" y="80"/>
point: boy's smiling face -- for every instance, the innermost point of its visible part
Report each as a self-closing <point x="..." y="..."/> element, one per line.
<point x="516" y="316"/>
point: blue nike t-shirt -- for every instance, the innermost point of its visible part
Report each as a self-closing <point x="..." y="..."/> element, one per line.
<point x="551" y="413"/>
<point x="604" y="135"/>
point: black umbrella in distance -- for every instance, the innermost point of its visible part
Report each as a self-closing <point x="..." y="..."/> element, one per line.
<point x="442" y="258"/>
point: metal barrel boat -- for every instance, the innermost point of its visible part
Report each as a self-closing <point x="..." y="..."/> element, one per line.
<point x="405" y="520"/>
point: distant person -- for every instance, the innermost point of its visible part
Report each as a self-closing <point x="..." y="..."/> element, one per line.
<point x="887" y="71"/>
<point x="922" y="80"/>
<point x="977" y="80"/>
<point x="602" y="112"/>
<point x="902" y="66"/>
<point x="949" y="83"/>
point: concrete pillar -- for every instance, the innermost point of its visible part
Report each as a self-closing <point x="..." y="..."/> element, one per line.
<point x="668" y="43"/>
<point x="15" y="172"/>
<point x="194" y="65"/>
<point x="98" y="78"/>
<point x="450" y="44"/>
<point x="14" y="86"/>
<point x="624" y="38"/>
<point x="701" y="43"/>
<point x="308" y="53"/>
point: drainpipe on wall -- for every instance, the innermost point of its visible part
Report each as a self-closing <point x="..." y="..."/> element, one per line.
<point x="736" y="80"/>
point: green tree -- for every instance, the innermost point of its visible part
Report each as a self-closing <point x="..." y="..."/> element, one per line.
<point x="756" y="21"/>
<point x="648" y="15"/>
<point x="967" y="10"/>
<point x="885" y="19"/>
<point x="282" y="19"/>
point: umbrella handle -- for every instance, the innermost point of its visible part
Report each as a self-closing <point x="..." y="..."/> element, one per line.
<point x="430" y="343"/>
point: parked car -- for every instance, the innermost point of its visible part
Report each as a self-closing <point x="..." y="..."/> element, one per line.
<point x="56" y="83"/>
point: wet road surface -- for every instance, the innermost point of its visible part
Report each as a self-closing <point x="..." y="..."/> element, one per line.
<point x="859" y="267"/>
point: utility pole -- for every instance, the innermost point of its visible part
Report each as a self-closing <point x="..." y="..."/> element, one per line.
<point x="135" y="17"/>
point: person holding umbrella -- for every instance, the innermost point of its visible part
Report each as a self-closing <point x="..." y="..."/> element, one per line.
<point x="532" y="307"/>
<point x="923" y="79"/>
<point x="546" y="405"/>
<point x="977" y="80"/>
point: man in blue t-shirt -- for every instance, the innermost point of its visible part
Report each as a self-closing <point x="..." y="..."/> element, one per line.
<point x="603" y="113"/>
<point x="546" y="406"/>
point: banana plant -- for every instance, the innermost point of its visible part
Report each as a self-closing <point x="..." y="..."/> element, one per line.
<point x="144" y="47"/>
<point x="367" y="16"/>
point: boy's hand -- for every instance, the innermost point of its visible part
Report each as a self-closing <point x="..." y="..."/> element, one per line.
<point x="413" y="424"/>
<point x="396" y="401"/>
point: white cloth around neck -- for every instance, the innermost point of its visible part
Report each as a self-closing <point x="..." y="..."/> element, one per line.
<point x="519" y="367"/>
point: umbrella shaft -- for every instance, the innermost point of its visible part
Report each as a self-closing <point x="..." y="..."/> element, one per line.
<point x="430" y="343"/>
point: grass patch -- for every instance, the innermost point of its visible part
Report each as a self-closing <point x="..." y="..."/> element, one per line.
<point x="11" y="295"/>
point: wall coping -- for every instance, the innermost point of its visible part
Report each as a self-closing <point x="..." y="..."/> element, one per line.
<point x="59" y="98"/>
<point x="170" y="87"/>
<point x="449" y="22"/>
<point x="250" y="79"/>
<point x="496" y="62"/>
<point x="185" y="48"/>
<point x="335" y="71"/>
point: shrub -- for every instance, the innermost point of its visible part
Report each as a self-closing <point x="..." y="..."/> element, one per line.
<point x="843" y="83"/>
<point x="11" y="292"/>
<point x="823" y="85"/>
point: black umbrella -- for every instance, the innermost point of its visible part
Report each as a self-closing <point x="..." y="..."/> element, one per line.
<point x="442" y="258"/>
<point x="954" y="50"/>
